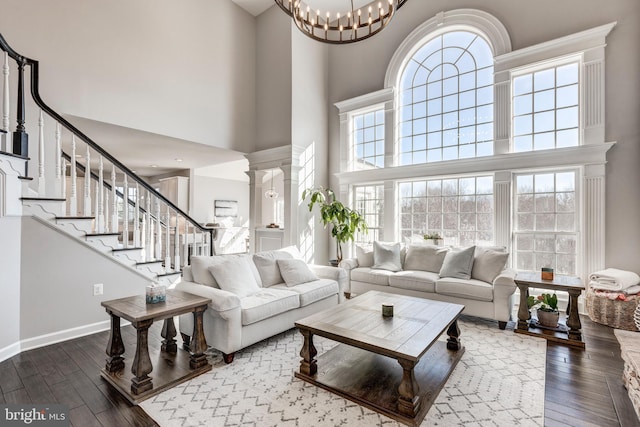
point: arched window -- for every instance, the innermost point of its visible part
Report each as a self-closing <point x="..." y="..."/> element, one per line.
<point x="446" y="100"/>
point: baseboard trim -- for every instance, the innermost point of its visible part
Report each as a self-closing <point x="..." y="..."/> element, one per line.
<point x="55" y="337"/>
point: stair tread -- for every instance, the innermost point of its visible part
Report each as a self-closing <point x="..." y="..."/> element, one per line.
<point x="137" y="248"/>
<point x="18" y="156"/>
<point x="75" y="217"/>
<point x="101" y="234"/>
<point x="44" y="199"/>
<point x="26" y="178"/>
<point x="158" y="261"/>
<point x="169" y="274"/>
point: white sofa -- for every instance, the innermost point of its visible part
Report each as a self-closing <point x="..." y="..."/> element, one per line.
<point x="482" y="294"/>
<point x="236" y="319"/>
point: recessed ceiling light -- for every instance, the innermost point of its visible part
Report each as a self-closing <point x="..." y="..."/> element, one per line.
<point x="154" y="166"/>
<point x="178" y="160"/>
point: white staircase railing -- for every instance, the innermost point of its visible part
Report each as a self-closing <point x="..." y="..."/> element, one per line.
<point x="115" y="198"/>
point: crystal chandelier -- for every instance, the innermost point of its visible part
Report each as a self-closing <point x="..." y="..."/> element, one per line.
<point x="352" y="26"/>
<point x="271" y="193"/>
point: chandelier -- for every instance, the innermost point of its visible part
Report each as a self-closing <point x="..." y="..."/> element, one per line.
<point x="355" y="25"/>
<point x="271" y="193"/>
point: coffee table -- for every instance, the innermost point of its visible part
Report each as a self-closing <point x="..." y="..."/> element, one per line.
<point x="393" y="365"/>
<point x="171" y="365"/>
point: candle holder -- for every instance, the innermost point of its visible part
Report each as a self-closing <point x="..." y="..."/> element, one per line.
<point x="387" y="310"/>
<point x="156" y="293"/>
<point x="547" y="274"/>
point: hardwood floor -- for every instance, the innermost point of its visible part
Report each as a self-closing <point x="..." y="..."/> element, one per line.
<point x="583" y="388"/>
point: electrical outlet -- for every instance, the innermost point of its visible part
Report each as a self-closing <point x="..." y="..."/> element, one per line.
<point x="97" y="289"/>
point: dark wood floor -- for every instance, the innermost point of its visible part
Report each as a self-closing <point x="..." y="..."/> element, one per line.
<point x="583" y="388"/>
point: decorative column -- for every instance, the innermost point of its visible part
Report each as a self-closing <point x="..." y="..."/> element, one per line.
<point x="502" y="213"/>
<point x="291" y="201"/>
<point x="390" y="212"/>
<point x="20" y="137"/>
<point x="594" y="219"/>
<point x="502" y="112"/>
<point x="4" y="145"/>
<point x="256" y="198"/>
<point x="593" y="92"/>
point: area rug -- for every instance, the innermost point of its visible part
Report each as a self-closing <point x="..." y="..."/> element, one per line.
<point x="498" y="382"/>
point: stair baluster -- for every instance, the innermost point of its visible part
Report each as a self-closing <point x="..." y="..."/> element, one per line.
<point x="167" y="241"/>
<point x="125" y="212"/>
<point x="114" y="201"/>
<point x="147" y="227"/>
<point x="63" y="185"/>
<point x="73" y="200"/>
<point x="158" y="231"/>
<point x="176" y="245"/>
<point x="20" y="137"/>
<point x="58" y="156"/>
<point x="100" y="197"/>
<point x="86" y="211"/>
<point x="136" y="219"/>
<point x="42" y="192"/>
<point x="4" y="145"/>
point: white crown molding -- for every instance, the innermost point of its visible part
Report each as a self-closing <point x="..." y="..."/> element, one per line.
<point x="366" y="100"/>
<point x="473" y="20"/>
<point x="582" y="41"/>
<point x="570" y="156"/>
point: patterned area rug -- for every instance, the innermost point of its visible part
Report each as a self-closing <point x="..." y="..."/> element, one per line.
<point x="498" y="382"/>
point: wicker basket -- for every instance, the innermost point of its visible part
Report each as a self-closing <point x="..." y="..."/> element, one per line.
<point x="615" y="313"/>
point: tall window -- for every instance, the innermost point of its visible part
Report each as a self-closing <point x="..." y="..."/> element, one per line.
<point x="545" y="221"/>
<point x="369" y="201"/>
<point x="459" y="209"/>
<point x="545" y="109"/>
<point x="368" y="140"/>
<point x="446" y="100"/>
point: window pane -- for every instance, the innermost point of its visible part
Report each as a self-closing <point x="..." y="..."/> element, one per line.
<point x="544" y="80"/>
<point x="544" y="100"/>
<point x="523" y="84"/>
<point x="567" y="74"/>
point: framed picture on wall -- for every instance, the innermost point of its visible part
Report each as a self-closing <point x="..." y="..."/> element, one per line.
<point x="225" y="208"/>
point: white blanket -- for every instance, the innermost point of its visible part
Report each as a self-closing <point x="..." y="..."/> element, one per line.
<point x="612" y="279"/>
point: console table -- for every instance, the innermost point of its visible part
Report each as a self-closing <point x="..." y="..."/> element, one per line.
<point x="570" y="333"/>
<point x="171" y="365"/>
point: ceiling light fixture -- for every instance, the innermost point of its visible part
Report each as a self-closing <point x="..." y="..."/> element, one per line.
<point x="336" y="28"/>
<point x="271" y="193"/>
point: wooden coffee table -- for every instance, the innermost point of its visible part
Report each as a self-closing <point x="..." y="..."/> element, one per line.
<point x="172" y="365"/>
<point x="393" y="365"/>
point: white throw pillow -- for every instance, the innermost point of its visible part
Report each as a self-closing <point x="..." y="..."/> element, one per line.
<point x="458" y="264"/>
<point x="488" y="264"/>
<point x="234" y="275"/>
<point x="364" y="255"/>
<point x="387" y="257"/>
<point x="267" y="266"/>
<point x="424" y="258"/>
<point x="295" y="271"/>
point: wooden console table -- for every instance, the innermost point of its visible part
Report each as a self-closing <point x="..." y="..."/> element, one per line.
<point x="172" y="365"/>
<point x="570" y="333"/>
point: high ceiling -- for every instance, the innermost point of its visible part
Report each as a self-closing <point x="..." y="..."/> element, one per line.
<point x="256" y="7"/>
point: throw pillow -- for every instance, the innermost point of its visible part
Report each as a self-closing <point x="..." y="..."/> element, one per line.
<point x="364" y="255"/>
<point x="424" y="258"/>
<point x="387" y="257"/>
<point x="295" y="272"/>
<point x="268" y="268"/>
<point x="234" y="275"/>
<point x="458" y="264"/>
<point x="488" y="264"/>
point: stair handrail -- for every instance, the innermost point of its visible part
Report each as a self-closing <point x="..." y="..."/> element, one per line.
<point x="35" y="81"/>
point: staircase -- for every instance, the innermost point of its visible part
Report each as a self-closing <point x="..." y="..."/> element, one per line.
<point x="83" y="191"/>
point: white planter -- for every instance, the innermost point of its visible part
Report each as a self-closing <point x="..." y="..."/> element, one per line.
<point x="436" y="242"/>
<point x="548" y="318"/>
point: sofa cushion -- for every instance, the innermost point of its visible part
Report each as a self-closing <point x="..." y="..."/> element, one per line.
<point x="267" y="303"/>
<point x="200" y="268"/>
<point x="458" y="264"/>
<point x="266" y="263"/>
<point x="311" y="292"/>
<point x="387" y="256"/>
<point x="424" y="258"/>
<point x="234" y="275"/>
<point x="369" y="275"/>
<point x="488" y="264"/>
<point x="414" y="280"/>
<point x="470" y="289"/>
<point x="295" y="271"/>
<point x="364" y="254"/>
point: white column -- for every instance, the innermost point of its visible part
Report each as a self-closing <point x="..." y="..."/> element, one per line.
<point x="87" y="184"/>
<point x="594" y="220"/>
<point x="4" y="144"/>
<point x="502" y="206"/>
<point x="256" y="197"/>
<point x="41" y="179"/>
<point x="594" y="101"/>
<point x="502" y="113"/>
<point x="389" y="136"/>
<point x="390" y="212"/>
<point x="73" y="200"/>
<point x="60" y="172"/>
<point x="291" y="201"/>
<point x="100" y="197"/>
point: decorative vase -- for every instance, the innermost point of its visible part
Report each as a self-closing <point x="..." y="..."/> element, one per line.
<point x="548" y="318"/>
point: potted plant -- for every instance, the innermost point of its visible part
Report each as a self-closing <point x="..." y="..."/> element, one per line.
<point x="433" y="238"/>
<point x="345" y="222"/>
<point x="547" y="309"/>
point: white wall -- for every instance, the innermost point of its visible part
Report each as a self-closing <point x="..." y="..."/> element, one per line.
<point x="360" y="68"/>
<point x="9" y="284"/>
<point x="58" y="273"/>
<point x="209" y="189"/>
<point x="182" y="69"/>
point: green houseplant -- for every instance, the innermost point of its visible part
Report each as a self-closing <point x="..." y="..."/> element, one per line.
<point x="547" y="309"/>
<point x="345" y="222"/>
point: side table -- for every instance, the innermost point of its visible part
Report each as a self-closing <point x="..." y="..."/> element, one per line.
<point x="570" y="334"/>
<point x="172" y="365"/>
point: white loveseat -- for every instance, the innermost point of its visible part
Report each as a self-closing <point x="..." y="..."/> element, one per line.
<point x="487" y="292"/>
<point x="258" y="302"/>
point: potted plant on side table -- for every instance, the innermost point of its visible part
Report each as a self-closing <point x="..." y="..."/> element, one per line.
<point x="345" y="222"/>
<point x="547" y="309"/>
